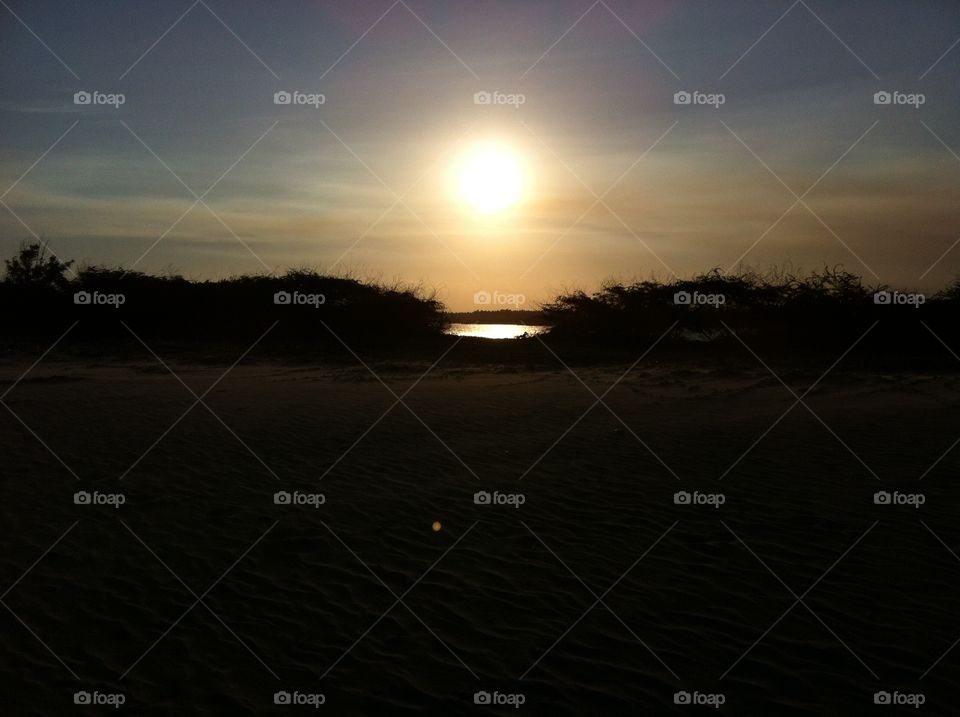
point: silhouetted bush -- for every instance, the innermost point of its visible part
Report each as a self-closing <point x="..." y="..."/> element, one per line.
<point x="825" y="310"/>
<point x="711" y="313"/>
<point x="301" y="302"/>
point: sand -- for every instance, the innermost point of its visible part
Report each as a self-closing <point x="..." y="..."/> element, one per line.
<point x="502" y="598"/>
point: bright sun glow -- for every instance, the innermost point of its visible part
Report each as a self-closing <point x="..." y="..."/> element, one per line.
<point x="491" y="179"/>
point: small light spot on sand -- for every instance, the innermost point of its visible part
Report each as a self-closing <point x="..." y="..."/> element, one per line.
<point x="436" y="526"/>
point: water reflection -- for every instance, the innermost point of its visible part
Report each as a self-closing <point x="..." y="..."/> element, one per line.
<point x="496" y="331"/>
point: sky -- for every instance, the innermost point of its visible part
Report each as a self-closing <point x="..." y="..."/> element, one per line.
<point x="783" y="159"/>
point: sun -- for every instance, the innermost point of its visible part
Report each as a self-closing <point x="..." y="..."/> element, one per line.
<point x="491" y="179"/>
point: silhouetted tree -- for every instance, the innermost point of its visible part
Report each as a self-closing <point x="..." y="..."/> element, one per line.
<point x="35" y="266"/>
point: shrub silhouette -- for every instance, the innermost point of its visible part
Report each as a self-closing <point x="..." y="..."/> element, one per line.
<point x="236" y="309"/>
<point x="824" y="310"/>
<point x="779" y="311"/>
<point x="35" y="267"/>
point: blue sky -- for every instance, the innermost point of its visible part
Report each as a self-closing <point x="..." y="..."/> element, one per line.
<point x="690" y="187"/>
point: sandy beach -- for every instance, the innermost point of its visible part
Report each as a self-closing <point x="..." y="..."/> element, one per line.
<point x="597" y="594"/>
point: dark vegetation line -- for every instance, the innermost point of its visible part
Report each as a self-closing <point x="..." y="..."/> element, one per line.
<point x="773" y="312"/>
